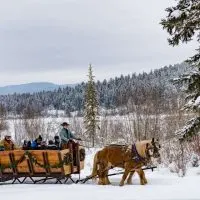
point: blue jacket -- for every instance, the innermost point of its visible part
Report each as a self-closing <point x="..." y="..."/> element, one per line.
<point x="34" y="144"/>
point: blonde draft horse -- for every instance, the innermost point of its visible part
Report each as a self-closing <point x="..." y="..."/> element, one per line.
<point x="124" y="157"/>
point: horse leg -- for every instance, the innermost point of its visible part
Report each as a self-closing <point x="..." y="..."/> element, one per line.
<point x="129" y="180"/>
<point x="100" y="182"/>
<point x="101" y="179"/>
<point x="104" y="180"/>
<point x="141" y="174"/>
<point x="107" y="181"/>
<point x="143" y="177"/>
<point x="102" y="174"/>
<point x="126" y="172"/>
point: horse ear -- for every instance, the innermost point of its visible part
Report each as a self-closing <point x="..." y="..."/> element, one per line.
<point x="153" y="140"/>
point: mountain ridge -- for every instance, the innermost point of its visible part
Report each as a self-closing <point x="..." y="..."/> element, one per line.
<point x="31" y="87"/>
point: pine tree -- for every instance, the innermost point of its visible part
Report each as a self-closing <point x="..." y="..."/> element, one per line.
<point x="91" y="107"/>
<point x="183" y="24"/>
<point x="3" y="116"/>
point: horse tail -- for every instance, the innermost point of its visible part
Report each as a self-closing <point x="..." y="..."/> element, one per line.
<point x="95" y="166"/>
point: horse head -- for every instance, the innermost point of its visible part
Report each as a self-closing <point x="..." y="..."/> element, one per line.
<point x="152" y="149"/>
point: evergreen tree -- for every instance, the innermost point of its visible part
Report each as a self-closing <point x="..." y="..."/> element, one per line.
<point x="183" y="24"/>
<point x="112" y="94"/>
<point x="91" y="107"/>
<point x="3" y="115"/>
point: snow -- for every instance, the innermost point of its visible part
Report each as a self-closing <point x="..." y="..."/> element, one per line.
<point x="54" y="112"/>
<point x="176" y="13"/>
<point x="161" y="185"/>
<point x="197" y="101"/>
<point x="193" y="102"/>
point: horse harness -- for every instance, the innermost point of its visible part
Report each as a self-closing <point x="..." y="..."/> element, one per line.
<point x="134" y="153"/>
<point x="136" y="156"/>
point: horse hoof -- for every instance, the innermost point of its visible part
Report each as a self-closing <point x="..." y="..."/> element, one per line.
<point x="121" y="184"/>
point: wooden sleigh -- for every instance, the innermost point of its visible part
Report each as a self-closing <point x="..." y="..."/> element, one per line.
<point x="40" y="166"/>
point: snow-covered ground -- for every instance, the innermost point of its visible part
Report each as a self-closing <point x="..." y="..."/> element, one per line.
<point x="161" y="185"/>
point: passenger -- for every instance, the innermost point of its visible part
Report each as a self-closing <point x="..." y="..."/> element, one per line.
<point x="52" y="146"/>
<point x="25" y="145"/>
<point x="7" y="143"/>
<point x="57" y="141"/>
<point x="66" y="135"/>
<point x="2" y="148"/>
<point x="29" y="144"/>
<point x="36" y="144"/>
<point x="43" y="145"/>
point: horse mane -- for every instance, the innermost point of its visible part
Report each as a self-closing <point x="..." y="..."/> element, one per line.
<point x="141" y="147"/>
<point x="144" y="142"/>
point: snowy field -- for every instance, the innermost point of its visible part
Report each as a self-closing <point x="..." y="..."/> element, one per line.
<point x="161" y="185"/>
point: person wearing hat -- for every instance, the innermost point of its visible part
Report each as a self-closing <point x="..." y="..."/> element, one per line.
<point x="57" y="141"/>
<point x="66" y="135"/>
<point x="7" y="143"/>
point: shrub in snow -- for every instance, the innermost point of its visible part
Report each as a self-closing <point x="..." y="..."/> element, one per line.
<point x="195" y="161"/>
<point x="176" y="156"/>
<point x="173" y="168"/>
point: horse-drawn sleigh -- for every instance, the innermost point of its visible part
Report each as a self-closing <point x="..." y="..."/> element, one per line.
<point x="43" y="165"/>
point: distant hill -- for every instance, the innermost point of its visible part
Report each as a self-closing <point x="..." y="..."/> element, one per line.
<point x="31" y="87"/>
<point x="153" y="90"/>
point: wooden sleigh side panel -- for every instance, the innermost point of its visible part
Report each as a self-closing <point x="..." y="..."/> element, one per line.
<point x="21" y="161"/>
<point x="40" y="163"/>
<point x="5" y="162"/>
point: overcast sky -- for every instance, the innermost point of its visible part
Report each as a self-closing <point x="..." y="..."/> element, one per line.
<point x="55" y="40"/>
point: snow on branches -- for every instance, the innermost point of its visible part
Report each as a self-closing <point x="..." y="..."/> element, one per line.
<point x="191" y="128"/>
<point x="183" y="23"/>
<point x="191" y="85"/>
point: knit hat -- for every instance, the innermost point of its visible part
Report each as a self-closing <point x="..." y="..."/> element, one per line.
<point x="39" y="137"/>
<point x="56" y="137"/>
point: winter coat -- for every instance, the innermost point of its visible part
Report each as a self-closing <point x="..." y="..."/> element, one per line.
<point x="34" y="145"/>
<point x="52" y="147"/>
<point x="8" y="145"/>
<point x="66" y="135"/>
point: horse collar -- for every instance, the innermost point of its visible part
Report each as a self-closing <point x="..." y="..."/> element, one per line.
<point x="136" y="156"/>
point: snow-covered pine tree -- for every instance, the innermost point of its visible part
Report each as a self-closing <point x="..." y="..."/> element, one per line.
<point x="183" y="24"/>
<point x="3" y="116"/>
<point x="91" y="107"/>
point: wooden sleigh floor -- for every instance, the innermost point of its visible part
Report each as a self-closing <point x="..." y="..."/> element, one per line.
<point x="41" y="166"/>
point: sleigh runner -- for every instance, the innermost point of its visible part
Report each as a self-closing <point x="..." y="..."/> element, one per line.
<point x="41" y="165"/>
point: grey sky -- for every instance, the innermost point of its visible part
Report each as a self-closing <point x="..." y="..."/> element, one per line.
<point x="55" y="40"/>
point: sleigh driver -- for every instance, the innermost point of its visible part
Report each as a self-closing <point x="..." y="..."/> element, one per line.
<point x="66" y="136"/>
